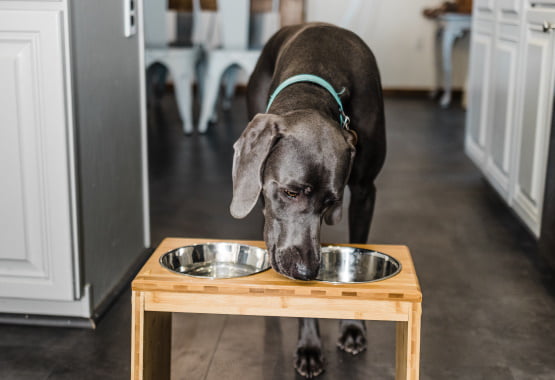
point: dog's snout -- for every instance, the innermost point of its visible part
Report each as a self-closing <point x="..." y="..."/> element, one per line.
<point x="296" y="263"/>
<point x="303" y="272"/>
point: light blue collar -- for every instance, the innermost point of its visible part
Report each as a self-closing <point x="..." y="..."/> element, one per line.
<point x="343" y="119"/>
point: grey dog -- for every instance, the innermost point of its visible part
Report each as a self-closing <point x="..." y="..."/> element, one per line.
<point x="301" y="153"/>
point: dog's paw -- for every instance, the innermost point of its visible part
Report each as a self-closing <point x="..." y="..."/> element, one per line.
<point x="309" y="361"/>
<point x="352" y="339"/>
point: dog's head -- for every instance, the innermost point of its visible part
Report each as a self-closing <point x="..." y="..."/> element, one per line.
<point x="300" y="163"/>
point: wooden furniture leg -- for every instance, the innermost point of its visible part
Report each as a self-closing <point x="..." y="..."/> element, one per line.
<point x="150" y="342"/>
<point x="157" y="293"/>
<point x="407" y="356"/>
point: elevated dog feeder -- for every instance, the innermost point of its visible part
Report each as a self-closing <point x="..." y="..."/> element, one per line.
<point x="157" y="292"/>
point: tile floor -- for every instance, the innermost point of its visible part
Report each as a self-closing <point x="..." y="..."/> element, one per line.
<point x="489" y="300"/>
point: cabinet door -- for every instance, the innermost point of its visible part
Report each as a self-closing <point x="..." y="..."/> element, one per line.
<point x="532" y="140"/>
<point x="500" y="131"/>
<point x="478" y="91"/>
<point x="35" y="208"/>
<point x="484" y="5"/>
<point x="509" y="6"/>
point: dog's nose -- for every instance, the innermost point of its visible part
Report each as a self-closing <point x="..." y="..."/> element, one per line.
<point x="303" y="272"/>
<point x="291" y="263"/>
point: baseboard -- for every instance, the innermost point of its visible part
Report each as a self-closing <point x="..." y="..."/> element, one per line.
<point x="76" y="314"/>
<point x="25" y="308"/>
<point x="47" y="321"/>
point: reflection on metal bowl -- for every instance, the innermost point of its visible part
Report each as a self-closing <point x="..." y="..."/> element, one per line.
<point x="216" y="260"/>
<point x="354" y="265"/>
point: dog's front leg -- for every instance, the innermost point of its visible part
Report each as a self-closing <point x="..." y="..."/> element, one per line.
<point x="353" y="332"/>
<point x="309" y="361"/>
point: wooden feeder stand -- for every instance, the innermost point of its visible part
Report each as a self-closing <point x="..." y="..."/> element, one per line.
<point x="157" y="293"/>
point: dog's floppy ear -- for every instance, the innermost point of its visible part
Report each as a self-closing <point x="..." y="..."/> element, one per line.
<point x="334" y="213"/>
<point x="251" y="151"/>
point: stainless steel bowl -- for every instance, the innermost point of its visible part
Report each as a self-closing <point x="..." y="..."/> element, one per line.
<point x="216" y="260"/>
<point x="353" y="265"/>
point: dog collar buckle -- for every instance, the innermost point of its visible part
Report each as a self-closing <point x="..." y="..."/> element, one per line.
<point x="344" y="120"/>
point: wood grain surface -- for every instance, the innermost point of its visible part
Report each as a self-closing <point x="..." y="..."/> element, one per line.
<point x="158" y="292"/>
<point x="402" y="287"/>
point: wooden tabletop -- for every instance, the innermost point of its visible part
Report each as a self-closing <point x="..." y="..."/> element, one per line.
<point x="402" y="287"/>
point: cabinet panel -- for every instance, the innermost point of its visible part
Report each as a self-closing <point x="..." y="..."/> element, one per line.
<point x="484" y="5"/>
<point x="532" y="84"/>
<point x="509" y="8"/>
<point x="512" y="89"/>
<point x="483" y="9"/>
<point x="478" y="95"/>
<point x="499" y="145"/>
<point x="533" y="134"/>
<point x="20" y="166"/>
<point x="35" y="220"/>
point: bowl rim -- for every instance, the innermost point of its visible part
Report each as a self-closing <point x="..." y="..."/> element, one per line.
<point x="265" y="251"/>
<point x="366" y="252"/>
<point x="162" y="256"/>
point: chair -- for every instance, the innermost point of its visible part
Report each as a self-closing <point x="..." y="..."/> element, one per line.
<point x="180" y="61"/>
<point x="234" y="21"/>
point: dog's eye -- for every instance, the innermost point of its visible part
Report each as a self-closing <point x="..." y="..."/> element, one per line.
<point x="291" y="194"/>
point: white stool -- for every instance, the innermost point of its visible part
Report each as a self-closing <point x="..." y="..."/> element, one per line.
<point x="180" y="61"/>
<point x="234" y="18"/>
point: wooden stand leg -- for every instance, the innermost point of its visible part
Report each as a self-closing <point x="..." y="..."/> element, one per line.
<point x="150" y="342"/>
<point x="407" y="358"/>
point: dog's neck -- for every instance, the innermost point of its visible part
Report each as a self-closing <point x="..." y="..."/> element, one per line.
<point x="306" y="96"/>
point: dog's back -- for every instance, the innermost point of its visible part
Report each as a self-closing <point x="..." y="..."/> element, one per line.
<point x="336" y="54"/>
<point x="342" y="58"/>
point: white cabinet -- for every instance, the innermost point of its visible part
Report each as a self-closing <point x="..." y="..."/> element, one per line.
<point x="501" y="107"/>
<point x="73" y="208"/>
<point x="479" y="90"/>
<point x="483" y="7"/>
<point x="531" y="143"/>
<point x="510" y="99"/>
<point x="491" y="91"/>
<point x="36" y="260"/>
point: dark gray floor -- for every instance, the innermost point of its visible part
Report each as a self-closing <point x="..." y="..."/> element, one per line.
<point x="489" y="301"/>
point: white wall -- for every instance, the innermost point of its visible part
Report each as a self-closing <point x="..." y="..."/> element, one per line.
<point x="400" y="37"/>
